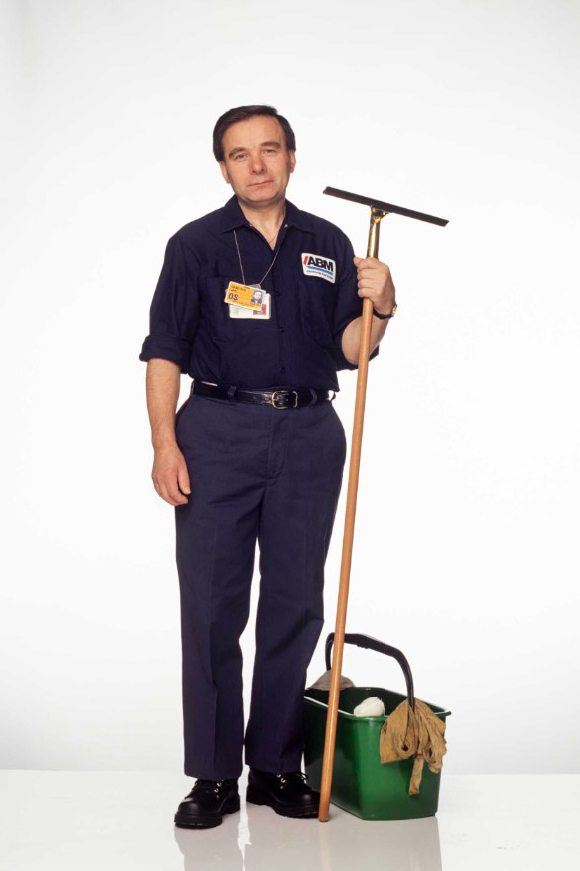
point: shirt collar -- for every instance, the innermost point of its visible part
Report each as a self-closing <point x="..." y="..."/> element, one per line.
<point x="232" y="217"/>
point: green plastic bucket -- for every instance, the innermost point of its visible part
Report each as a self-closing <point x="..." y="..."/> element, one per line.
<point x="361" y="783"/>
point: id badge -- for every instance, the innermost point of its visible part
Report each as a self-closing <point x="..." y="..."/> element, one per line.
<point x="238" y="311"/>
<point x="245" y="296"/>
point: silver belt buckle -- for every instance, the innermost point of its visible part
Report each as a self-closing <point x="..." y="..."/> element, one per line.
<point x="282" y="407"/>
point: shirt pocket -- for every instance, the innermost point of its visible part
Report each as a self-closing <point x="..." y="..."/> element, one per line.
<point x="316" y="302"/>
<point x="222" y="327"/>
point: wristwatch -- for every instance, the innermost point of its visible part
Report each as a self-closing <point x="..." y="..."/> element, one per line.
<point x="385" y="317"/>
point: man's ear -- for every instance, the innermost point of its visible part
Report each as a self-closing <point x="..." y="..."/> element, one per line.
<point x="224" y="171"/>
<point x="292" y="160"/>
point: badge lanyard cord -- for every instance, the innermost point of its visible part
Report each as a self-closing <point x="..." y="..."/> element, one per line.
<point x="259" y="284"/>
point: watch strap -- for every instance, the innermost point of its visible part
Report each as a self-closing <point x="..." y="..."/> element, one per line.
<point x="385" y="317"/>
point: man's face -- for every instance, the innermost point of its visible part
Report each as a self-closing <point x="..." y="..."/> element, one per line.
<point x="256" y="162"/>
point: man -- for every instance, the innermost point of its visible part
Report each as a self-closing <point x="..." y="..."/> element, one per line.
<point x="238" y="469"/>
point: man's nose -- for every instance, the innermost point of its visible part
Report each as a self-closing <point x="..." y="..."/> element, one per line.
<point x="257" y="163"/>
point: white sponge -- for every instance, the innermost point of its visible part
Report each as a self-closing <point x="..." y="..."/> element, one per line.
<point x="370" y="707"/>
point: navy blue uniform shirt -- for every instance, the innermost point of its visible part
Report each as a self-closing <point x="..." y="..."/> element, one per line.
<point x="314" y="296"/>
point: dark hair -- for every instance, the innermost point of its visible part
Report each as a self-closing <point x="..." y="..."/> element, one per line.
<point x="241" y="114"/>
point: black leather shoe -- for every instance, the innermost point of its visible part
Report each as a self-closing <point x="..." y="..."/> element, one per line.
<point x="206" y="803"/>
<point x="288" y="794"/>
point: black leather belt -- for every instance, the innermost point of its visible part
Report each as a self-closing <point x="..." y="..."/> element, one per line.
<point x="280" y="397"/>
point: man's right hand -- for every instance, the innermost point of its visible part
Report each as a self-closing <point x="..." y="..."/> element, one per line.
<point x="170" y="475"/>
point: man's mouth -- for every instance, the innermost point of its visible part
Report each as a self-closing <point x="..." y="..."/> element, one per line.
<point x="257" y="183"/>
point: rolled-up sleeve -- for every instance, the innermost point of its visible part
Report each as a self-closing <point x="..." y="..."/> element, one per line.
<point x="174" y="311"/>
<point x="348" y="304"/>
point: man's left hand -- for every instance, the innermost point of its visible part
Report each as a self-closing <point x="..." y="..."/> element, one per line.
<point x="375" y="282"/>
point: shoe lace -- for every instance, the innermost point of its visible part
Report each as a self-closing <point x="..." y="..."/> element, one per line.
<point x="284" y="778"/>
<point x="201" y="784"/>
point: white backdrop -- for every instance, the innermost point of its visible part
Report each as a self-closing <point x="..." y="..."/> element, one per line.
<point x="466" y="533"/>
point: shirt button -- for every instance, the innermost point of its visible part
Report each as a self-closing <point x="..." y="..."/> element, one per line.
<point x="277" y="293"/>
<point x="283" y="369"/>
<point x="281" y="329"/>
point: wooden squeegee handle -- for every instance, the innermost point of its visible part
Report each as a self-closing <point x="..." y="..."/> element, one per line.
<point x="357" y="431"/>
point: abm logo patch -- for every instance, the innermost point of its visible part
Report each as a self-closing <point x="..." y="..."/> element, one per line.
<point x="322" y="267"/>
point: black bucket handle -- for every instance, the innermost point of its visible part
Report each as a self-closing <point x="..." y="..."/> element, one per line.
<point x="374" y="644"/>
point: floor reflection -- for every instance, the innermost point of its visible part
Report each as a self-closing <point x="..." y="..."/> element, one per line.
<point x="123" y="821"/>
<point x="257" y="839"/>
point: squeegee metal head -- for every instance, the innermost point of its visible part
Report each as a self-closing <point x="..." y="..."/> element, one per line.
<point x="384" y="207"/>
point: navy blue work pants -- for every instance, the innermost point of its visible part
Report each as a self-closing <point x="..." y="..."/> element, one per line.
<point x="271" y="476"/>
